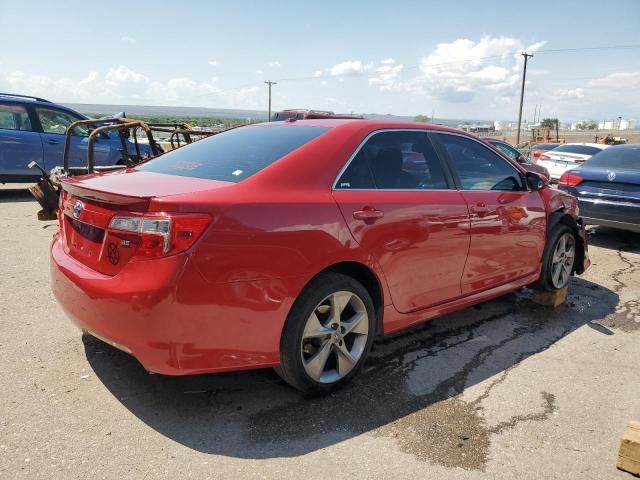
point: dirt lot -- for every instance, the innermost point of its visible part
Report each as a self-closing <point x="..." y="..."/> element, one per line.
<point x="506" y="390"/>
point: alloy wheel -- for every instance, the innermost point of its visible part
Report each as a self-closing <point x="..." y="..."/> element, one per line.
<point x="562" y="261"/>
<point x="335" y="337"/>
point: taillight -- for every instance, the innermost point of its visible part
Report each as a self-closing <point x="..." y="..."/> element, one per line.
<point x="579" y="160"/>
<point x="544" y="156"/>
<point x="569" y="179"/>
<point x="160" y="235"/>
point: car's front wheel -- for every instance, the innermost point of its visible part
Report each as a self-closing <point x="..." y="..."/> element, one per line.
<point x="559" y="257"/>
<point x="328" y="334"/>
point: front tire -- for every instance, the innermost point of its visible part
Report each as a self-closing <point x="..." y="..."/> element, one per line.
<point x="559" y="257"/>
<point x="328" y="334"/>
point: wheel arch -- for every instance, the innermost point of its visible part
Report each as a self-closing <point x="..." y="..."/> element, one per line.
<point x="367" y="277"/>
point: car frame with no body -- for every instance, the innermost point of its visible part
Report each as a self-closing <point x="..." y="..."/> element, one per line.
<point x="294" y="244"/>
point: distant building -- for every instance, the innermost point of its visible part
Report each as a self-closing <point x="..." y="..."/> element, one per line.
<point x="617" y="124"/>
<point x="628" y="124"/>
<point x="498" y="126"/>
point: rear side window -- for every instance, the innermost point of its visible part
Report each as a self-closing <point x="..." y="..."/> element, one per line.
<point x="400" y="160"/>
<point x="234" y="155"/>
<point x="14" y="117"/>
<point x="625" y="158"/>
<point x="477" y="166"/>
<point x="580" y="149"/>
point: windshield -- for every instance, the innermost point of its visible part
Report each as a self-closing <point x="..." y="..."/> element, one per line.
<point x="627" y="158"/>
<point x="276" y="117"/>
<point x="580" y="149"/>
<point x="233" y="155"/>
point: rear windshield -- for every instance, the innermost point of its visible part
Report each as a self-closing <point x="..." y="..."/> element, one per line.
<point x="581" y="149"/>
<point x="545" y="146"/>
<point x="234" y="155"/>
<point x="627" y="158"/>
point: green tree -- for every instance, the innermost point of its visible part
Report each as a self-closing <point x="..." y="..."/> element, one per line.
<point x="421" y="118"/>
<point x="549" y="122"/>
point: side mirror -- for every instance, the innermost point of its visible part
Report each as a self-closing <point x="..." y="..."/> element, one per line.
<point x="521" y="158"/>
<point x="535" y="181"/>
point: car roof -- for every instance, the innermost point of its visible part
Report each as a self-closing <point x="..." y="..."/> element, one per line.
<point x="365" y="124"/>
<point x="40" y="102"/>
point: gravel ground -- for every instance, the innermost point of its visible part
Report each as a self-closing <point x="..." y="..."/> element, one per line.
<point x="506" y="389"/>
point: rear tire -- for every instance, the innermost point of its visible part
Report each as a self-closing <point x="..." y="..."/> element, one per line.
<point x="558" y="259"/>
<point x="328" y="334"/>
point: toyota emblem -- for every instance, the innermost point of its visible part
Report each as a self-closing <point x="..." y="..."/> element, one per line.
<point x="77" y="209"/>
<point x="611" y="176"/>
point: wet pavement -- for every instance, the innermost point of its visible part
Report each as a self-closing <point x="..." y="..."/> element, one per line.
<point x="506" y="389"/>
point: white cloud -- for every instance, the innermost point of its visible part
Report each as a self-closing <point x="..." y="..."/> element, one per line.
<point x="213" y="63"/>
<point x="611" y="95"/>
<point x="127" y="39"/>
<point x="385" y="75"/>
<point x="274" y="64"/>
<point x="349" y="68"/>
<point x="463" y="69"/>
<point x="259" y="72"/>
<point x="575" y="93"/>
<point x="121" y="84"/>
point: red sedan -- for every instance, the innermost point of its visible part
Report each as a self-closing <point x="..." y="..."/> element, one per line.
<point x="293" y="244"/>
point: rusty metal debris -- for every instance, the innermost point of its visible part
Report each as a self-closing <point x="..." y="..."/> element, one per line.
<point x="47" y="190"/>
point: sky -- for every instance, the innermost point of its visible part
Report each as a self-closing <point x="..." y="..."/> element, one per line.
<point x="456" y="59"/>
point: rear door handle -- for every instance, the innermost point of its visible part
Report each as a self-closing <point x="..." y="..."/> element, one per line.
<point x="368" y="214"/>
<point x="52" y="142"/>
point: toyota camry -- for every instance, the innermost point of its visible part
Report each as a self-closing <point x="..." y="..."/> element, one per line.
<point x="293" y="245"/>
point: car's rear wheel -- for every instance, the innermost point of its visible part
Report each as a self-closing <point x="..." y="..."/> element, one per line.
<point x="559" y="258"/>
<point x="328" y="334"/>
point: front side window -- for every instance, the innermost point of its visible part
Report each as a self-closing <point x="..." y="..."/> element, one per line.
<point x="14" y="117"/>
<point x="400" y="160"/>
<point x="477" y="166"/>
<point x="234" y="155"/>
<point x="57" y="121"/>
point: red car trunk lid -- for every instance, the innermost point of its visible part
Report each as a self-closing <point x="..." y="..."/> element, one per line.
<point x="89" y="203"/>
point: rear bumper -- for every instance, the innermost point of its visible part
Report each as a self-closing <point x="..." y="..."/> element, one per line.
<point x="166" y="315"/>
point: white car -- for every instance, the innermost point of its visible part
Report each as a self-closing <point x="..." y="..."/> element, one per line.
<point x="568" y="156"/>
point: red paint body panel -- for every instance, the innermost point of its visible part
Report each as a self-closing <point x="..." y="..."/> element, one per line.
<point x="420" y="242"/>
<point x="508" y="233"/>
<point x="222" y="304"/>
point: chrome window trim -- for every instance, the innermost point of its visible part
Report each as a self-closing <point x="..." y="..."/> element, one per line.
<point x="359" y="147"/>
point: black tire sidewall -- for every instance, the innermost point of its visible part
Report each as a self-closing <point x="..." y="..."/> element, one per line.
<point x="291" y="368"/>
<point x="546" y="280"/>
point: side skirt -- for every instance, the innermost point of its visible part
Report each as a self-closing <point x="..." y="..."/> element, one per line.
<point x="395" y="321"/>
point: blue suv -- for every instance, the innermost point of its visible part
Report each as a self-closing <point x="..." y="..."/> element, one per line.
<point x="33" y="129"/>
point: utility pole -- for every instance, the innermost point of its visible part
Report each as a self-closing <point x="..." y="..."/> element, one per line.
<point x="526" y="56"/>
<point x="270" y="83"/>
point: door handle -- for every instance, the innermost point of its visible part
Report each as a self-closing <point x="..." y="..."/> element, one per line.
<point x="368" y="214"/>
<point x="51" y="141"/>
<point x="479" y="208"/>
